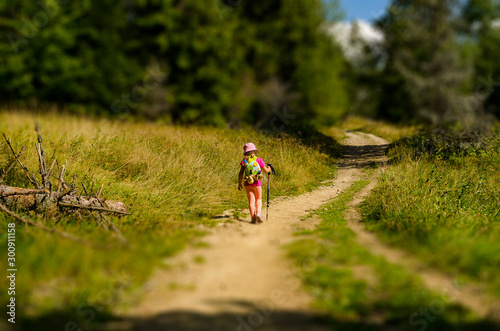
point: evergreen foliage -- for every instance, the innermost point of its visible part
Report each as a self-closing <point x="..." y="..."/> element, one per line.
<point x="184" y="61"/>
<point x="481" y="18"/>
<point x="423" y="76"/>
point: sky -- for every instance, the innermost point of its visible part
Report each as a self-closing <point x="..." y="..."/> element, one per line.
<point x="366" y="10"/>
<point x="363" y="11"/>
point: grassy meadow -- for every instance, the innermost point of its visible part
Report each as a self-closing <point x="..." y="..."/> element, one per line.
<point x="437" y="198"/>
<point x="174" y="180"/>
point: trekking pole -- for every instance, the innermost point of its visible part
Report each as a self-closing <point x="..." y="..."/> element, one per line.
<point x="268" y="185"/>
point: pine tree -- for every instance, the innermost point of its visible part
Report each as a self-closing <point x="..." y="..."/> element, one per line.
<point x="424" y="76"/>
<point x="287" y="42"/>
<point x="218" y="59"/>
<point x="481" y="25"/>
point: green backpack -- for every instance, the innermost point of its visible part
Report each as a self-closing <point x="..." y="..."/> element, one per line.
<point x="253" y="172"/>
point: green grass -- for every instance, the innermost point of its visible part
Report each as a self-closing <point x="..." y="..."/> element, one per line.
<point x="440" y="199"/>
<point x="171" y="178"/>
<point x="388" y="131"/>
<point x="360" y="291"/>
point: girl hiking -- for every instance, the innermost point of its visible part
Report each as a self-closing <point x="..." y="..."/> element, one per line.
<point x="251" y="170"/>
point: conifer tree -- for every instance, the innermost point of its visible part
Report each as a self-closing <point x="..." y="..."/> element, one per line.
<point x="218" y="58"/>
<point x="424" y="76"/>
<point x="482" y="24"/>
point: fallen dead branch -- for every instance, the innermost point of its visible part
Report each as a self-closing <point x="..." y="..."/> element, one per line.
<point x="62" y="204"/>
<point x="64" y="200"/>
<point x="26" y="170"/>
<point x="9" y="168"/>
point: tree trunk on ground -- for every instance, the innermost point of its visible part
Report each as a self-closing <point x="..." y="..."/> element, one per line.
<point x="64" y="199"/>
<point x="41" y="200"/>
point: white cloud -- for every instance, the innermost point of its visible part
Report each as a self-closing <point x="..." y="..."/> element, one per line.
<point x="341" y="32"/>
<point x="495" y="24"/>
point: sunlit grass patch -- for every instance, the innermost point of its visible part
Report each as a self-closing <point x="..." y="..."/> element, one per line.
<point x="388" y="131"/>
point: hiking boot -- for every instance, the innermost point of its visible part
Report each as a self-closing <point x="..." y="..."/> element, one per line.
<point x="253" y="220"/>
<point x="258" y="218"/>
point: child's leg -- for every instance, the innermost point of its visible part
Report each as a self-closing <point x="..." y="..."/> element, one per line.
<point x="251" y="200"/>
<point x="258" y="197"/>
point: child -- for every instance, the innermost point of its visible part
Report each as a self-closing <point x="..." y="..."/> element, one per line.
<point x="252" y="167"/>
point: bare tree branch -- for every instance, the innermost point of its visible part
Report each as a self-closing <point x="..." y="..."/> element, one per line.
<point x="9" y="168"/>
<point x="64" y="204"/>
<point x="32" y="178"/>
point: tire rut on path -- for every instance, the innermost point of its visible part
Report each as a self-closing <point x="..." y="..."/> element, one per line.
<point x="469" y="296"/>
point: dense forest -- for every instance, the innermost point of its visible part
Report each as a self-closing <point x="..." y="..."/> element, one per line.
<point x="225" y="63"/>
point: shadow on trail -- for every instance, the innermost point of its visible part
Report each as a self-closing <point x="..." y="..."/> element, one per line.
<point x="350" y="157"/>
<point x="190" y="321"/>
<point x="312" y="138"/>
<point x="263" y="319"/>
<point x="277" y="321"/>
<point x="356" y="157"/>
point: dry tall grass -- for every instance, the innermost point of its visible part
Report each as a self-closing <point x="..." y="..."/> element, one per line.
<point x="173" y="179"/>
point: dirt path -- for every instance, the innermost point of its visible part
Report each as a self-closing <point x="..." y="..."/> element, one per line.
<point x="243" y="281"/>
